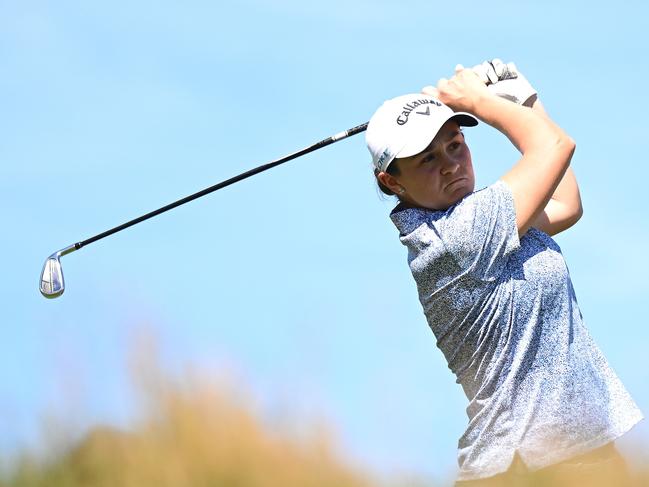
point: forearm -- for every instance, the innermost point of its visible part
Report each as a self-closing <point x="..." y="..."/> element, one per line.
<point x="532" y="132"/>
<point x="564" y="208"/>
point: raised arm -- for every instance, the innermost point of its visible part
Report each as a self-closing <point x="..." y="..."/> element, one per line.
<point x="564" y="208"/>
<point x="546" y="149"/>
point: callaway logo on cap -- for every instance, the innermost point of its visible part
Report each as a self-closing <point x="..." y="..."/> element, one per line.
<point x="405" y="125"/>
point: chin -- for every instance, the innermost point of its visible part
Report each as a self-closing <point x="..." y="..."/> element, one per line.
<point x="467" y="191"/>
<point x="460" y="194"/>
<point x="452" y="199"/>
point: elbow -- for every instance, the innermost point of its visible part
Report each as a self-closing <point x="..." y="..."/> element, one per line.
<point x="556" y="150"/>
<point x="571" y="220"/>
<point x="577" y="210"/>
<point x="566" y="146"/>
<point x="559" y="152"/>
<point x="578" y="213"/>
<point x="571" y="216"/>
<point x="572" y="145"/>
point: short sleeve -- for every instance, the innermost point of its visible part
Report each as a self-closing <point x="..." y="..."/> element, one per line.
<point x="480" y="231"/>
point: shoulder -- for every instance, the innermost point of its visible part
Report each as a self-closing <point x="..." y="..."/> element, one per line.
<point x="465" y="212"/>
<point x="407" y="219"/>
<point x="478" y="233"/>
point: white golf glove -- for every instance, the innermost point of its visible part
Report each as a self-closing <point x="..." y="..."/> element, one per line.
<point x="506" y="81"/>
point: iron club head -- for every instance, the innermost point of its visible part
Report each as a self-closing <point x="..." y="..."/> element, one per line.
<point x="52" y="283"/>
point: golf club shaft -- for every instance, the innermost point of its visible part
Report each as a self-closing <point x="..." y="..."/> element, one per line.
<point x="227" y="182"/>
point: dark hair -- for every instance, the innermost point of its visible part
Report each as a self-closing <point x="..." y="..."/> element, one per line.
<point x="392" y="170"/>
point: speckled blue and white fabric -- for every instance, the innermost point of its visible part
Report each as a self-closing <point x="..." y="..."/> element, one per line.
<point x="506" y="318"/>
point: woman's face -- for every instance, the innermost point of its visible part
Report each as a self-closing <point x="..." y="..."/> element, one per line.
<point x="441" y="175"/>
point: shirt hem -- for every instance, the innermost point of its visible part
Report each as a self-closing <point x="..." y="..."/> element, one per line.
<point x="584" y="447"/>
<point x="554" y="458"/>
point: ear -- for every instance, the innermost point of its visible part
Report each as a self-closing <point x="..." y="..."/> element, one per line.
<point x="390" y="181"/>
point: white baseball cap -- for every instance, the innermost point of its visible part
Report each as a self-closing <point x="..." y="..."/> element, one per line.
<point x="405" y="126"/>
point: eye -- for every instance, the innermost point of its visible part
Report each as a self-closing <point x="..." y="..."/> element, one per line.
<point x="428" y="158"/>
<point x="457" y="142"/>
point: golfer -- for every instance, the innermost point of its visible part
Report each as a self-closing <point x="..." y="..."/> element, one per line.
<point x="493" y="284"/>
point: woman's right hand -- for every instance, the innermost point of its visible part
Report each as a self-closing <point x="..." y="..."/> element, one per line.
<point x="463" y="92"/>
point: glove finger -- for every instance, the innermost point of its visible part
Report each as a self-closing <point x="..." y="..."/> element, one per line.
<point x="482" y="71"/>
<point x="491" y="72"/>
<point x="504" y="71"/>
<point x="499" y="67"/>
<point x="511" y="71"/>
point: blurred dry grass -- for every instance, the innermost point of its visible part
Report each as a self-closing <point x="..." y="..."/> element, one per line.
<point x="203" y="433"/>
<point x="200" y="435"/>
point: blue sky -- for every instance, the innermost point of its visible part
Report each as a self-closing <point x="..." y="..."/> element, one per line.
<point x="294" y="280"/>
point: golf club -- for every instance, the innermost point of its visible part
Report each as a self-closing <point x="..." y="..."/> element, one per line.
<point x="52" y="283"/>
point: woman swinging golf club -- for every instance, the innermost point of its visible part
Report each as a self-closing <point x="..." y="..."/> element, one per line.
<point x="493" y="284"/>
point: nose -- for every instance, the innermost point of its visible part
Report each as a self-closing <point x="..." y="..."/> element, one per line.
<point x="449" y="164"/>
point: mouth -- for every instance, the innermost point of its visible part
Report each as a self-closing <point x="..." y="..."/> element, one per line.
<point x="450" y="186"/>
